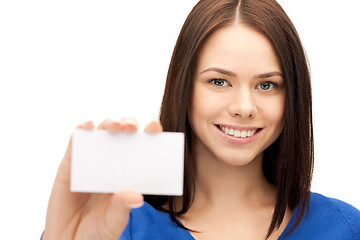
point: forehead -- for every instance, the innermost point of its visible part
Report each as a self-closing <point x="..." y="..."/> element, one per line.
<point x="238" y="48"/>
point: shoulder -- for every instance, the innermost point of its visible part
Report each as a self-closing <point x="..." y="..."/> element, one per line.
<point x="149" y="223"/>
<point x="344" y="208"/>
<point x="335" y="210"/>
<point x="329" y="218"/>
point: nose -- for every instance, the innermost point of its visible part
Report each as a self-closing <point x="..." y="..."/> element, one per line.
<point x="242" y="104"/>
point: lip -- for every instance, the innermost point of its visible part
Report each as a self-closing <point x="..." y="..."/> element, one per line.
<point x="238" y="140"/>
<point x="247" y="128"/>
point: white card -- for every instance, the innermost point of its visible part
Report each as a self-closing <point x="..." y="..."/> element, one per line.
<point x="107" y="162"/>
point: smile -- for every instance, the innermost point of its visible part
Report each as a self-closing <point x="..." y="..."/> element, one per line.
<point x="237" y="132"/>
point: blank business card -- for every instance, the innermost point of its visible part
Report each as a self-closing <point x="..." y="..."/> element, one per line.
<point x="104" y="162"/>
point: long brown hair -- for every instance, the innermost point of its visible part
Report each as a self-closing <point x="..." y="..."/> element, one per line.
<point x="288" y="162"/>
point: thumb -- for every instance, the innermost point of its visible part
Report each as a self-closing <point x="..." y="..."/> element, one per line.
<point x="117" y="214"/>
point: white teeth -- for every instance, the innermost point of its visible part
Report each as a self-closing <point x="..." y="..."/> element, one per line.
<point x="231" y="132"/>
<point x="243" y="133"/>
<point x="237" y="132"/>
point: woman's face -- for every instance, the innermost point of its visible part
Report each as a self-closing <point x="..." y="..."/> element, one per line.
<point x="238" y="98"/>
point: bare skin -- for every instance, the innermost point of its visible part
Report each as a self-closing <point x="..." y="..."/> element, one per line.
<point x="72" y="215"/>
<point x="236" y="204"/>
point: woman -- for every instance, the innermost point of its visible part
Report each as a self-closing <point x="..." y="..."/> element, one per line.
<point x="238" y="86"/>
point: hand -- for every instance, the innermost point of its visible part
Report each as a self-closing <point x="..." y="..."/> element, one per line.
<point x="72" y="215"/>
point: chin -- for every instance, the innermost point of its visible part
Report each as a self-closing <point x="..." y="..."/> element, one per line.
<point x="240" y="160"/>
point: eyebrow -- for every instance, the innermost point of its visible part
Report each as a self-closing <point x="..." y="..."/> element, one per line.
<point x="219" y="70"/>
<point x="269" y="74"/>
<point x="231" y="74"/>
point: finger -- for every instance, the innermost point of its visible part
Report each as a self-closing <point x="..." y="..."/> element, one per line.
<point x="153" y="127"/>
<point x="129" y="198"/>
<point x="130" y="124"/>
<point x="87" y="125"/>
<point x="112" y="126"/>
<point x="67" y="157"/>
<point x="117" y="213"/>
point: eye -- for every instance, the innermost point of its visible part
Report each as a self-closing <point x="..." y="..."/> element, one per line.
<point x="265" y="86"/>
<point x="218" y="82"/>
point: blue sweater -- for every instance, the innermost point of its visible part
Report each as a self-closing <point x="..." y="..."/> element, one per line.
<point x="328" y="219"/>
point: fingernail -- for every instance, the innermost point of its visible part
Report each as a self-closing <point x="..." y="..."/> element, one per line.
<point x="89" y="123"/>
<point x="129" y="120"/>
<point x="129" y="128"/>
<point x="138" y="205"/>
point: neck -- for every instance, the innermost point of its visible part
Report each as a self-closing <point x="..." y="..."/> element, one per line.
<point x="218" y="183"/>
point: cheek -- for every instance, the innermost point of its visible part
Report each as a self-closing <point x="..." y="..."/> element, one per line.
<point x="273" y="110"/>
<point x="196" y="105"/>
<point x="203" y="105"/>
<point x="278" y="114"/>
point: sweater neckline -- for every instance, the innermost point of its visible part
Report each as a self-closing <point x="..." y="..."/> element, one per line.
<point x="282" y="236"/>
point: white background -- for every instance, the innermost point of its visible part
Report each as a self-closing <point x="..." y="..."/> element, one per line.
<point x="65" y="62"/>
